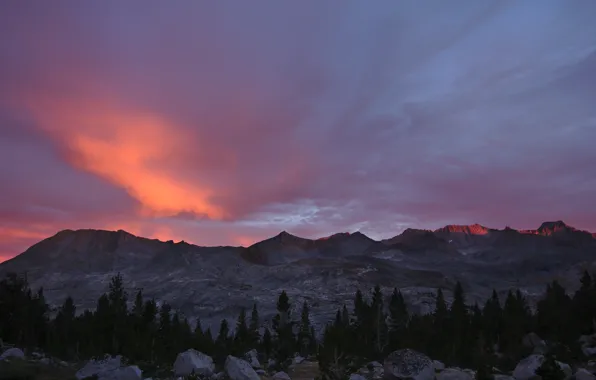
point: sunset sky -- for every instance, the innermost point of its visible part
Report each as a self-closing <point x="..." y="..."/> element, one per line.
<point x="225" y="122"/>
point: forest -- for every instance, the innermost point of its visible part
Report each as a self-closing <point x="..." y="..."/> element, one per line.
<point x="375" y="324"/>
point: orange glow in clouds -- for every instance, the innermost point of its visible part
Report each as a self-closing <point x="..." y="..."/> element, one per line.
<point x="124" y="148"/>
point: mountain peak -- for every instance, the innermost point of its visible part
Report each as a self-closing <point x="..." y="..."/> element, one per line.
<point x="472" y="229"/>
<point x="551" y="227"/>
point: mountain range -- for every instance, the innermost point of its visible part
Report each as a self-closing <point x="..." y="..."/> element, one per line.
<point x="212" y="283"/>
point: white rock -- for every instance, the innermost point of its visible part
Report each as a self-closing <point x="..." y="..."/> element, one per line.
<point x="238" y="369"/>
<point x="13" y="353"/>
<point x="356" y="376"/>
<point x="408" y="364"/>
<point x="589" y="351"/>
<point x="566" y="368"/>
<point x="260" y="372"/>
<point x="125" y="373"/>
<point x="281" y="376"/>
<point x="503" y="377"/>
<point x="298" y="359"/>
<point x="253" y="358"/>
<point x="192" y="361"/>
<point x="584" y="374"/>
<point x="454" y="374"/>
<point x="375" y="365"/>
<point x="100" y="367"/>
<point x="438" y="366"/>
<point x="527" y="367"/>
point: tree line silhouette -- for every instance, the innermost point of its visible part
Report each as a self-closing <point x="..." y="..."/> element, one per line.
<point x="476" y="336"/>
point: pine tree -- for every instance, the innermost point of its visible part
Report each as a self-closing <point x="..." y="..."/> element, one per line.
<point x="583" y="309"/>
<point x="222" y="342"/>
<point x="254" y="327"/>
<point x="267" y="342"/>
<point x="461" y="348"/>
<point x="345" y="316"/>
<point x="304" y="333"/>
<point x="440" y="329"/>
<point x="398" y="320"/>
<point x="492" y="321"/>
<point x="137" y="308"/>
<point x="164" y="332"/>
<point x="118" y="298"/>
<point x="242" y="335"/>
<point x="378" y="323"/>
<point x="283" y="326"/>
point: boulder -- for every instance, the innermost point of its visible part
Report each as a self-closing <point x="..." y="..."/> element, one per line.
<point x="253" y="358"/>
<point x="584" y="374"/>
<point x="100" y="368"/>
<point x="193" y="362"/>
<point x="281" y="376"/>
<point x="12" y="353"/>
<point x="588" y="344"/>
<point x="454" y="374"/>
<point x="124" y="373"/>
<point x="526" y="368"/>
<point x="533" y="341"/>
<point x="408" y="364"/>
<point x="238" y="369"/>
<point x="566" y="368"/>
<point x="438" y="366"/>
<point x="503" y="377"/>
<point x="298" y="359"/>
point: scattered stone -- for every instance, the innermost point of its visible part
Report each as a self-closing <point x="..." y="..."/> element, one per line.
<point x="238" y="369"/>
<point x="408" y="363"/>
<point x="454" y="374"/>
<point x="260" y="372"/>
<point x="193" y="362"/>
<point x="281" y="376"/>
<point x="12" y="353"/>
<point x="253" y="358"/>
<point x="584" y="374"/>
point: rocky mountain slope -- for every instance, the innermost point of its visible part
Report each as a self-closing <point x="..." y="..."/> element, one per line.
<point x="214" y="282"/>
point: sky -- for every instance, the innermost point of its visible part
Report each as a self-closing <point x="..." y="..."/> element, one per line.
<point x="224" y="123"/>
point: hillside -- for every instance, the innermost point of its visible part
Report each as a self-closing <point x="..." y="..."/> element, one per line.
<point x="214" y="282"/>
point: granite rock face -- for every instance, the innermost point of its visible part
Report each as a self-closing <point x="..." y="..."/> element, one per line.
<point x="215" y="282"/>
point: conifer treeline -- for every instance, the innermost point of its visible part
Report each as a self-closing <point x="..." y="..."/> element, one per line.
<point x="367" y="330"/>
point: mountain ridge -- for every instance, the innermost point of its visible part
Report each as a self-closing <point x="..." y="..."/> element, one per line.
<point x="548" y="228"/>
<point x="214" y="282"/>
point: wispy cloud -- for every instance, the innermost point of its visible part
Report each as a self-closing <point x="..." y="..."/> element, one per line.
<point x="220" y="123"/>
